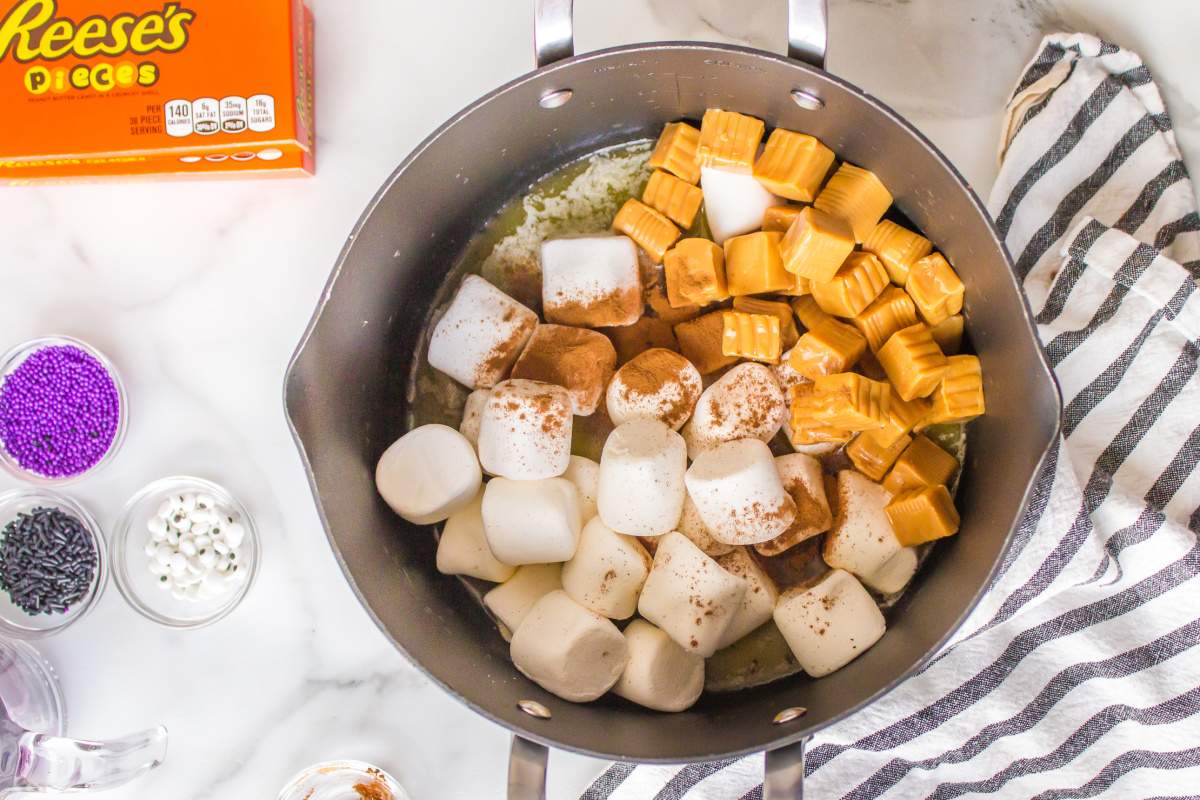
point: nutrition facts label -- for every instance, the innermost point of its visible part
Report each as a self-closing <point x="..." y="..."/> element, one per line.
<point x="208" y="115"/>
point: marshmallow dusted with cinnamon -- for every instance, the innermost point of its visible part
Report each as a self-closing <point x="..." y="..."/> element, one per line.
<point x="577" y="359"/>
<point x="607" y="571"/>
<point x="658" y="384"/>
<point x="525" y="430"/>
<point x="481" y="334"/>
<point x="744" y="403"/>
<point x="591" y="281"/>
<point x="739" y="493"/>
<point x="830" y="623"/>
<point x="641" y="478"/>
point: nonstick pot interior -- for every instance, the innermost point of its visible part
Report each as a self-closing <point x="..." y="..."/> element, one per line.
<point x="346" y="390"/>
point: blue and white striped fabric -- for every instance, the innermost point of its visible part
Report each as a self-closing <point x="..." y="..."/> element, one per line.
<point x="1079" y="674"/>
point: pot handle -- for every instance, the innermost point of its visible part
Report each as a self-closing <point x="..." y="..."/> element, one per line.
<point x="554" y="35"/>
<point x="783" y="777"/>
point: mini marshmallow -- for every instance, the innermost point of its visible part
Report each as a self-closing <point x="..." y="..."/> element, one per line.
<point x="481" y="334"/>
<point x="525" y="430"/>
<point x="591" y="281"/>
<point x="585" y="474"/>
<point x="744" y="403"/>
<point x="463" y="548"/>
<point x="510" y="601"/>
<point x="428" y="474"/>
<point x="758" y="603"/>
<point x="734" y="202"/>
<point x="861" y="540"/>
<point x="804" y="481"/>
<point x="657" y="384"/>
<point x="607" y="571"/>
<point x="689" y="596"/>
<point x="895" y="573"/>
<point x="739" y="493"/>
<point x="568" y="650"/>
<point x="641" y="478"/>
<point x="830" y="623"/>
<point x="693" y="527"/>
<point x="660" y="674"/>
<point x="472" y="412"/>
<point x="531" y="522"/>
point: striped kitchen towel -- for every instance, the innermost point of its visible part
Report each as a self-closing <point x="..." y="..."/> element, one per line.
<point x="1079" y="674"/>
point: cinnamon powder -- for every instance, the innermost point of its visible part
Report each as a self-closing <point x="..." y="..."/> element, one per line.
<point x="579" y="360"/>
<point x="621" y="307"/>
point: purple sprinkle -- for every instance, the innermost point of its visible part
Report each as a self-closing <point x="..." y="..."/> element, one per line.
<point x="59" y="412"/>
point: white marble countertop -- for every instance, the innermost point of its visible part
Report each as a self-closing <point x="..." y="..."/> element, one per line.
<point x="199" y="292"/>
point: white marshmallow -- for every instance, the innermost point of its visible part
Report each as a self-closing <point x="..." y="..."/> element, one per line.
<point x="585" y="474"/>
<point x="739" y="494"/>
<point x="861" y="540"/>
<point x="481" y="334"/>
<point x="830" y="623"/>
<point x="525" y="430"/>
<point x="591" y="281"/>
<point x="660" y="675"/>
<point x="895" y="573"/>
<point x="567" y="650"/>
<point x="693" y="527"/>
<point x="428" y="474"/>
<point x="607" y="571"/>
<point x="656" y="384"/>
<point x="510" y="601"/>
<point x="463" y="548"/>
<point x="804" y="481"/>
<point x="641" y="478"/>
<point x="734" y="202"/>
<point x="744" y="403"/>
<point x="689" y="596"/>
<point x="758" y="603"/>
<point x="531" y="522"/>
<point x="472" y="411"/>
<point x="787" y="376"/>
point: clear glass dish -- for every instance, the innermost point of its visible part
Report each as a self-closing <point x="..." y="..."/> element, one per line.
<point x="343" y="780"/>
<point x="14" y="358"/>
<point x="17" y="623"/>
<point x="140" y="588"/>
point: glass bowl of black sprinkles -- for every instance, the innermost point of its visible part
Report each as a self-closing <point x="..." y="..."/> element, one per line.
<point x="53" y="564"/>
<point x="63" y="410"/>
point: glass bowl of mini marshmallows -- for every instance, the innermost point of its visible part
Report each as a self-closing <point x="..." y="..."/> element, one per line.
<point x="184" y="552"/>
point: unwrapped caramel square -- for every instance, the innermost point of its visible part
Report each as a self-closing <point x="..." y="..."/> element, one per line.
<point x="922" y="463"/>
<point x="936" y="288"/>
<point x="646" y="333"/>
<point x="888" y="313"/>
<point x="857" y="196"/>
<point x="922" y="515"/>
<point x="776" y="308"/>
<point x="948" y="334"/>
<point x="729" y="139"/>
<point x="903" y="416"/>
<point x="753" y="264"/>
<point x="695" y="273"/>
<point x="804" y="402"/>
<point x="851" y="401"/>
<point x="959" y="397"/>
<point x="793" y="165"/>
<point x="780" y="218"/>
<point x="700" y="342"/>
<point x="675" y="198"/>
<point x="808" y="312"/>
<point x="828" y="348"/>
<point x="816" y="244"/>
<point x="898" y="248"/>
<point x="873" y="455"/>
<point x="660" y="304"/>
<point x="753" y="336"/>
<point x="854" y="286"/>
<point x="652" y="232"/>
<point x="675" y="151"/>
<point x="913" y="362"/>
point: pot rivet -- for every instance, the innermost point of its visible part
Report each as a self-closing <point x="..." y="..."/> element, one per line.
<point x="789" y="715"/>
<point x="556" y="98"/>
<point x="534" y="709"/>
<point x="807" y="100"/>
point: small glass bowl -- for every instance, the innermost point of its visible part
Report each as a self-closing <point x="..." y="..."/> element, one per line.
<point x="343" y="780"/>
<point x="14" y="358"/>
<point x="140" y="588"/>
<point x="15" y="622"/>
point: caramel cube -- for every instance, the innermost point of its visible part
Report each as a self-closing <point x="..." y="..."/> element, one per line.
<point x="793" y="165"/>
<point x="852" y="401"/>
<point x="829" y="348"/>
<point x="802" y="287"/>
<point x="890" y="312"/>
<point x="700" y="342"/>
<point x="648" y="332"/>
<point x="922" y="515"/>
<point x="898" y="248"/>
<point x="729" y="139"/>
<point x="660" y="304"/>
<point x="913" y="361"/>
<point x="753" y="265"/>
<point x="675" y="151"/>
<point x="677" y="199"/>
<point x="936" y="288"/>
<point x="754" y="336"/>
<point x="948" y="334"/>
<point x="816" y="244"/>
<point x="776" y="308"/>
<point x="872" y="455"/>
<point x="653" y="232"/>
<point x="695" y="273"/>
<point x="923" y="463"/>
<point x="805" y="427"/>
<point x="903" y="416"/>
<point x="959" y="397"/>
<point x="780" y="218"/>
<point x="857" y="283"/>
<point x="857" y="196"/>
<point x="809" y="313"/>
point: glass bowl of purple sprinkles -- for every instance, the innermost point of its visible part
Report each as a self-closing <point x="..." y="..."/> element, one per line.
<point x="63" y="410"/>
<point x="53" y="564"/>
